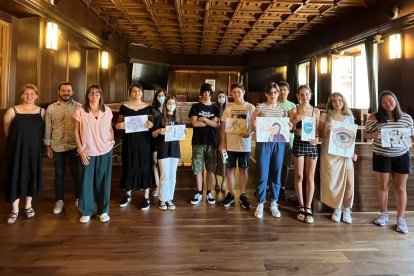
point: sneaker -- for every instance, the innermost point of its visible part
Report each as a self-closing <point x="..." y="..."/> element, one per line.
<point x="104" y="217"/>
<point x="244" y="201"/>
<point x="259" y="211"/>
<point x="197" y="198"/>
<point x="162" y="205"/>
<point x="347" y="216"/>
<point x="85" y="219"/>
<point x="58" y="207"/>
<point x="171" y="205"/>
<point x="282" y="194"/>
<point x="275" y="210"/>
<point x="401" y="225"/>
<point x="125" y="201"/>
<point x="229" y="199"/>
<point x="382" y="219"/>
<point x="210" y="198"/>
<point x="336" y="216"/>
<point x="145" y="204"/>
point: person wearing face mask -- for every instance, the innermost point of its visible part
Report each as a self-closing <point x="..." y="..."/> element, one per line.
<point x="157" y="105"/>
<point x="221" y="165"/>
<point x="168" y="154"/>
<point x="137" y="171"/>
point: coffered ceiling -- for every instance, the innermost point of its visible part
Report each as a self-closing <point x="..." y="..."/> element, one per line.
<point x="220" y="27"/>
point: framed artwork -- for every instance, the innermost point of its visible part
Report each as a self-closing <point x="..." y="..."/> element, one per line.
<point x="212" y="82"/>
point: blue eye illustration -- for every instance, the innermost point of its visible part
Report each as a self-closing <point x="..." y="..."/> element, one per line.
<point x="343" y="137"/>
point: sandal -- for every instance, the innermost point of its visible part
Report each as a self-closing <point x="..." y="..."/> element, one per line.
<point x="309" y="216"/>
<point x="301" y="214"/>
<point x="30" y="212"/>
<point x="12" y="217"/>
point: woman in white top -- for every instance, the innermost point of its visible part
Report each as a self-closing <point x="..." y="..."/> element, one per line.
<point x="336" y="172"/>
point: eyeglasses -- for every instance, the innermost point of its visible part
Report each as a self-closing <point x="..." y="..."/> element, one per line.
<point x="95" y="93"/>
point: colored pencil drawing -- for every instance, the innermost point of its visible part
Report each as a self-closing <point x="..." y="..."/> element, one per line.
<point x="396" y="137"/>
<point x="135" y="123"/>
<point x="272" y="129"/>
<point x="342" y="139"/>
<point x="308" y="128"/>
<point x="174" y="133"/>
<point x="236" y="126"/>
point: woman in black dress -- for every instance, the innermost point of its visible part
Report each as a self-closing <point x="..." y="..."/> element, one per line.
<point x="24" y="128"/>
<point x="137" y="171"/>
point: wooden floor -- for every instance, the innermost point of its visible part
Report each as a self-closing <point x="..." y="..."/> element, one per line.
<point x="199" y="240"/>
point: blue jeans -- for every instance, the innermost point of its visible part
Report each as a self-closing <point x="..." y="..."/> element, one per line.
<point x="269" y="163"/>
<point x="76" y="168"/>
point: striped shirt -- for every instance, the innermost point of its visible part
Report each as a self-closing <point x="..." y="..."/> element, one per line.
<point x="265" y="110"/>
<point x="372" y="126"/>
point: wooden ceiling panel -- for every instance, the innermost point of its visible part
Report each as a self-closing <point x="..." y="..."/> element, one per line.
<point x="231" y="27"/>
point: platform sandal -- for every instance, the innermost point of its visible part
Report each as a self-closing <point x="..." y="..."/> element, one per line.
<point x="309" y="215"/>
<point x="30" y="212"/>
<point x="12" y="217"/>
<point x="301" y="214"/>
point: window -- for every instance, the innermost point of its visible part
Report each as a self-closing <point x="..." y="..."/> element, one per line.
<point x="303" y="73"/>
<point x="350" y="76"/>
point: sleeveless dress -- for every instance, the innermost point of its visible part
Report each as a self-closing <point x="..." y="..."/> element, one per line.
<point x="137" y="170"/>
<point x="24" y="156"/>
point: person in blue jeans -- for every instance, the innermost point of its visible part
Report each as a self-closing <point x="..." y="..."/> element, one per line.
<point x="269" y="155"/>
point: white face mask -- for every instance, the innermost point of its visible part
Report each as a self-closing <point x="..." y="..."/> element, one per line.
<point x="221" y="100"/>
<point x="171" y="107"/>
<point x="161" y="99"/>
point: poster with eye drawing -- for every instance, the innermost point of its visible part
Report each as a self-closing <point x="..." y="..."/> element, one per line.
<point x="135" y="123"/>
<point x="174" y="133"/>
<point x="342" y="139"/>
<point x="236" y="125"/>
<point x="396" y="138"/>
<point x="272" y="129"/>
<point x="308" y="128"/>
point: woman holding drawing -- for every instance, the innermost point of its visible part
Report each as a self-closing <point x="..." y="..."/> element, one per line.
<point x="137" y="168"/>
<point x="336" y="172"/>
<point x="305" y="153"/>
<point x="390" y="162"/>
<point x="269" y="155"/>
<point x="168" y="154"/>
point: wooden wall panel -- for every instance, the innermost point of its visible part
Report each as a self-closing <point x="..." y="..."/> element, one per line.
<point x="27" y="53"/>
<point x="92" y="65"/>
<point x="46" y="90"/>
<point x="120" y="83"/>
<point x="60" y="66"/>
<point x="77" y="70"/>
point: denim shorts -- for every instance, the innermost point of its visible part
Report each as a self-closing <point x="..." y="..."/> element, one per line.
<point x="242" y="158"/>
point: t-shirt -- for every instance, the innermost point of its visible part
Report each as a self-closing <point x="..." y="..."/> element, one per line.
<point x="234" y="141"/>
<point x="204" y="135"/>
<point x="166" y="149"/>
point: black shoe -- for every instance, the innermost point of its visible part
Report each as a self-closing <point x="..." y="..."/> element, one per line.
<point x="229" y="199"/>
<point x="282" y="194"/>
<point x="244" y="201"/>
<point x="125" y="201"/>
<point x="145" y="204"/>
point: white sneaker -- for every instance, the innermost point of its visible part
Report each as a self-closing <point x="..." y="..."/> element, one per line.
<point x="347" y="216"/>
<point x="210" y="198"/>
<point x="259" y="211"/>
<point x="85" y="219"/>
<point x="275" y="210"/>
<point x="104" y="217"/>
<point x="58" y="207"/>
<point x="336" y="216"/>
<point x="197" y="199"/>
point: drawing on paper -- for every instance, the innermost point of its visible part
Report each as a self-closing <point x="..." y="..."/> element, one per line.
<point x="236" y="125"/>
<point x="135" y="123"/>
<point x="342" y="139"/>
<point x="174" y="133"/>
<point x="272" y="129"/>
<point x="396" y="137"/>
<point x="308" y="128"/>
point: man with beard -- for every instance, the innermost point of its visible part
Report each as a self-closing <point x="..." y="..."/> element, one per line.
<point x="60" y="142"/>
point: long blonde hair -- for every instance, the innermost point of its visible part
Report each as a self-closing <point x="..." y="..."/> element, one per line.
<point x="330" y="109"/>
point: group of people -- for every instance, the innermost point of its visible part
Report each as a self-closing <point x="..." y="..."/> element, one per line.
<point x="83" y="135"/>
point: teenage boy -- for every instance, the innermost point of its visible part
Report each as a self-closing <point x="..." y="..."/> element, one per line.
<point x="284" y="90"/>
<point x="60" y="142"/>
<point x="237" y="142"/>
<point x="204" y="119"/>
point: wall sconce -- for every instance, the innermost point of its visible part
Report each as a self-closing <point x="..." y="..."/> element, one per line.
<point x="323" y="67"/>
<point x="395" y="46"/>
<point x="52" y="30"/>
<point x="104" y="60"/>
